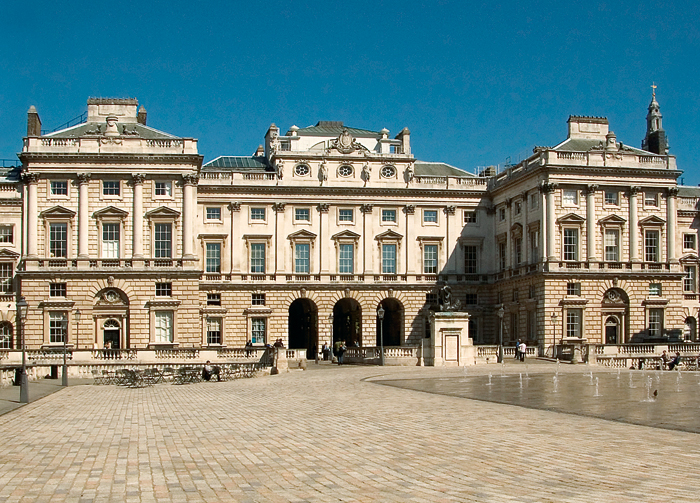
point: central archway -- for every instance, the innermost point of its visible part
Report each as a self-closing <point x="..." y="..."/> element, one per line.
<point x="303" y="326"/>
<point x="392" y="323"/>
<point x="347" y="322"/>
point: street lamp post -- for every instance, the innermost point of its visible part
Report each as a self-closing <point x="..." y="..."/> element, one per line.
<point x="64" y="376"/>
<point x="380" y="317"/>
<point x="554" y="334"/>
<point x="330" y="320"/>
<point x="23" y="381"/>
<point x="501" y="312"/>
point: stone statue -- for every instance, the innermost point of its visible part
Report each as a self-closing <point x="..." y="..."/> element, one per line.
<point x="445" y="300"/>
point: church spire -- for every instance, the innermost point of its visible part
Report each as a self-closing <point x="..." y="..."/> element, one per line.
<point x="655" y="140"/>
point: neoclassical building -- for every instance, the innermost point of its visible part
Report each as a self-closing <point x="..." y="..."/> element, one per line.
<point x="305" y="239"/>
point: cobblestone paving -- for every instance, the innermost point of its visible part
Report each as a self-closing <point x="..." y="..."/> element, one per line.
<point x="328" y="435"/>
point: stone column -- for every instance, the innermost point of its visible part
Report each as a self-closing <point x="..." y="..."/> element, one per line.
<point x="83" y="218"/>
<point x="409" y="210"/>
<point x="526" y="231"/>
<point x="367" y="246"/>
<point x="671" y="224"/>
<point x="235" y="208"/>
<point x="31" y="180"/>
<point x="324" y="260"/>
<point x="634" y="224"/>
<point x="509" y="239"/>
<point x="189" y="208"/>
<point x="591" y="248"/>
<point x="548" y="189"/>
<point x="280" y="245"/>
<point x="449" y="257"/>
<point x="137" y="239"/>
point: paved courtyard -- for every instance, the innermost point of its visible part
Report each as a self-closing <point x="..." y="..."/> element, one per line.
<point x="330" y="434"/>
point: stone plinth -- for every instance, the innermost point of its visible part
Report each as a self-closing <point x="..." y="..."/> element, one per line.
<point x="450" y="344"/>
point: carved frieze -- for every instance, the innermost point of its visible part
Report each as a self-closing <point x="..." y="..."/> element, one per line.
<point x="278" y="207"/>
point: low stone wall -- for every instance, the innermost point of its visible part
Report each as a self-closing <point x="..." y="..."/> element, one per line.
<point x="42" y="363"/>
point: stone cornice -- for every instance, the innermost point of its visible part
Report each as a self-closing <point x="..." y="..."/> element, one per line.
<point x="354" y="192"/>
<point x="95" y="158"/>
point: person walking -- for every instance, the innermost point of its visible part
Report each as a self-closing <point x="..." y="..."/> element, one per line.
<point x="341" y="352"/>
<point x="517" y="350"/>
<point x="522" y="348"/>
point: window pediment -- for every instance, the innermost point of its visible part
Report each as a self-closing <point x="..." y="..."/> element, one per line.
<point x="652" y="220"/>
<point x="163" y="212"/>
<point x="302" y="235"/>
<point x="8" y="254"/>
<point x="110" y="212"/>
<point x="57" y="212"/>
<point x="571" y="218"/>
<point x="430" y="238"/>
<point x="346" y="235"/>
<point x="612" y="220"/>
<point x="389" y="236"/>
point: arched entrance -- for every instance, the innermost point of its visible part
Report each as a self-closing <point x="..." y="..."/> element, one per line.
<point x="303" y="326"/>
<point x="347" y="322"/>
<point x="392" y="323"/>
<point x="690" y="330"/>
<point x="612" y="330"/>
<point x="111" y="333"/>
<point x="110" y="312"/>
<point x="615" y="311"/>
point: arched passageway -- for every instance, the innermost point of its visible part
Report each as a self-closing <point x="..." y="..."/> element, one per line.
<point x="392" y="323"/>
<point x="690" y="329"/>
<point x="303" y="326"/>
<point x="347" y="322"/>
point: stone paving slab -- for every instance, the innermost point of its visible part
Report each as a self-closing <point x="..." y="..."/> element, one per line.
<point x="328" y="434"/>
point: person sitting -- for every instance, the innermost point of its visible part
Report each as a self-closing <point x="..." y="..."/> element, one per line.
<point x="675" y="362"/>
<point x="207" y="371"/>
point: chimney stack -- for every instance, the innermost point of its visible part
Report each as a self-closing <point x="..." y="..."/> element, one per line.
<point x="141" y="116"/>
<point x="33" y="122"/>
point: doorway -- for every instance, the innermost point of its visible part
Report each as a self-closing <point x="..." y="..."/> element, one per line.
<point x="112" y="334"/>
<point x="612" y="330"/>
<point x="303" y="326"/>
<point x="392" y="323"/>
<point x="347" y="322"/>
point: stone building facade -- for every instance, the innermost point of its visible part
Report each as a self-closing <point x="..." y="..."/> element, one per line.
<point x="305" y="239"/>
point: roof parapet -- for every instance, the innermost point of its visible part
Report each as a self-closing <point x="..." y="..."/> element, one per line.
<point x="594" y="128"/>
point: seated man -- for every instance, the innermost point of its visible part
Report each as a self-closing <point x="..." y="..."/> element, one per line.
<point x="674" y="363"/>
<point x="207" y="371"/>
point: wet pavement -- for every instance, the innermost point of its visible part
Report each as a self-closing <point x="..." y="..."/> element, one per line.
<point x="657" y="399"/>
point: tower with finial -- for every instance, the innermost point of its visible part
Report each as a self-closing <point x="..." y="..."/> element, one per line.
<point x="655" y="140"/>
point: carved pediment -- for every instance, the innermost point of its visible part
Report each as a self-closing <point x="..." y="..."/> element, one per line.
<point x="612" y="220"/>
<point x="302" y="234"/>
<point x="57" y="212"/>
<point x="652" y="220"/>
<point x="8" y="254"/>
<point x="110" y="212"/>
<point x="345" y="235"/>
<point x="163" y="212"/>
<point x="571" y="218"/>
<point x="389" y="236"/>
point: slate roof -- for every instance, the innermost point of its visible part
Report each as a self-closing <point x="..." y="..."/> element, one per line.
<point x="585" y="144"/>
<point x="10" y="175"/>
<point x="688" y="191"/>
<point x="426" y="168"/>
<point x="238" y="163"/>
<point x="85" y="128"/>
<point x="334" y="128"/>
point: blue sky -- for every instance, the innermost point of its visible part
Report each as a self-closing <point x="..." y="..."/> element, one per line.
<point x="476" y="83"/>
